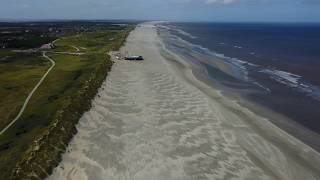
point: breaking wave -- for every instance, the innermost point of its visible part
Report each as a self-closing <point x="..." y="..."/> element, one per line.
<point x="240" y="69"/>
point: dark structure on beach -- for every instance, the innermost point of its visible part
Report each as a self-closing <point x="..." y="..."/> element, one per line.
<point x="134" y="58"/>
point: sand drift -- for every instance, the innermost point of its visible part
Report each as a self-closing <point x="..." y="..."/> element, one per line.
<point x="153" y="120"/>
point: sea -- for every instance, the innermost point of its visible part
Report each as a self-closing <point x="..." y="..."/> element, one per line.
<point x="271" y="68"/>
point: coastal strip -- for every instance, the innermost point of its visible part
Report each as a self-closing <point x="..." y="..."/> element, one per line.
<point x="153" y="118"/>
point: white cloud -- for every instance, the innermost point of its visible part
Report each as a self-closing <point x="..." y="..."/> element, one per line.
<point x="221" y="1"/>
<point x="180" y="1"/>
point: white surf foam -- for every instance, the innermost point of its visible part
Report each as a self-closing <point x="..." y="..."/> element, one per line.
<point x="294" y="81"/>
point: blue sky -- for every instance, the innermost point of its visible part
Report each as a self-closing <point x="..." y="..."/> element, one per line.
<point x="186" y="10"/>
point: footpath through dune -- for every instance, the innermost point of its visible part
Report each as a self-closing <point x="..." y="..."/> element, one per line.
<point x="148" y="122"/>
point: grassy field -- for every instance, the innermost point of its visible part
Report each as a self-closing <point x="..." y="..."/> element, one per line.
<point x="19" y="73"/>
<point x="71" y="74"/>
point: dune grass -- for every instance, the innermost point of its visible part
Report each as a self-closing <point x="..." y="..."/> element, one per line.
<point x="18" y="75"/>
<point x="72" y="80"/>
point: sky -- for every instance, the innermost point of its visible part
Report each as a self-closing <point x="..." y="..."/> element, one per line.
<point x="172" y="10"/>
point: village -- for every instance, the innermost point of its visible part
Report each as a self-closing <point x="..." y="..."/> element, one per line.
<point x="30" y="35"/>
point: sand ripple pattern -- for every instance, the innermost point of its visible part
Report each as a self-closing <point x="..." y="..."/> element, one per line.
<point x="147" y="124"/>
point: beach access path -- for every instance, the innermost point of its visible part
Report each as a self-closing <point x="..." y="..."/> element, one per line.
<point x="153" y="119"/>
<point x="25" y="104"/>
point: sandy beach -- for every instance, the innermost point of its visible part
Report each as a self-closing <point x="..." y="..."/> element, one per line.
<point x="154" y="120"/>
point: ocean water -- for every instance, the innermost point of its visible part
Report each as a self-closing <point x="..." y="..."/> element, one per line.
<point x="274" y="65"/>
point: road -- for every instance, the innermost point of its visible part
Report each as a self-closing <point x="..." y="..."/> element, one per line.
<point x="26" y="102"/>
<point x="68" y="53"/>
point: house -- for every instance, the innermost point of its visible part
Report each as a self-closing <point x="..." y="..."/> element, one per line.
<point x="47" y="46"/>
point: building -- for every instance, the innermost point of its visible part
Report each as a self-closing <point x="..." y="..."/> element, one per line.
<point x="47" y="46"/>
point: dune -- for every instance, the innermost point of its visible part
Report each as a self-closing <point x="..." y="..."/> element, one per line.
<point x="154" y="120"/>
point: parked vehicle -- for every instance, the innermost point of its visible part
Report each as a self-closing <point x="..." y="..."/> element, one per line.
<point x="134" y="58"/>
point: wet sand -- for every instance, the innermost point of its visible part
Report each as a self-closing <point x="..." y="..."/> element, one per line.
<point x="155" y="120"/>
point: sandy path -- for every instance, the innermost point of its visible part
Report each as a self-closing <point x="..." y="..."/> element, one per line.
<point x="76" y="48"/>
<point x="149" y="122"/>
<point x="26" y="102"/>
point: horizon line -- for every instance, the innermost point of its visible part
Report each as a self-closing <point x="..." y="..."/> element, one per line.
<point x="21" y="20"/>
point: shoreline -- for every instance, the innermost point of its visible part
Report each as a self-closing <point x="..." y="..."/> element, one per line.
<point x="241" y="97"/>
<point x="207" y="87"/>
<point x="155" y="118"/>
<point x="194" y="77"/>
<point x="281" y="121"/>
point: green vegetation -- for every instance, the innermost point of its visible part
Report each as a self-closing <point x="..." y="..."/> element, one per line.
<point x="34" y="144"/>
<point x="19" y="74"/>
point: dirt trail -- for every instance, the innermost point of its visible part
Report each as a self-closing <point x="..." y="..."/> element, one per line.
<point x="26" y="102"/>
